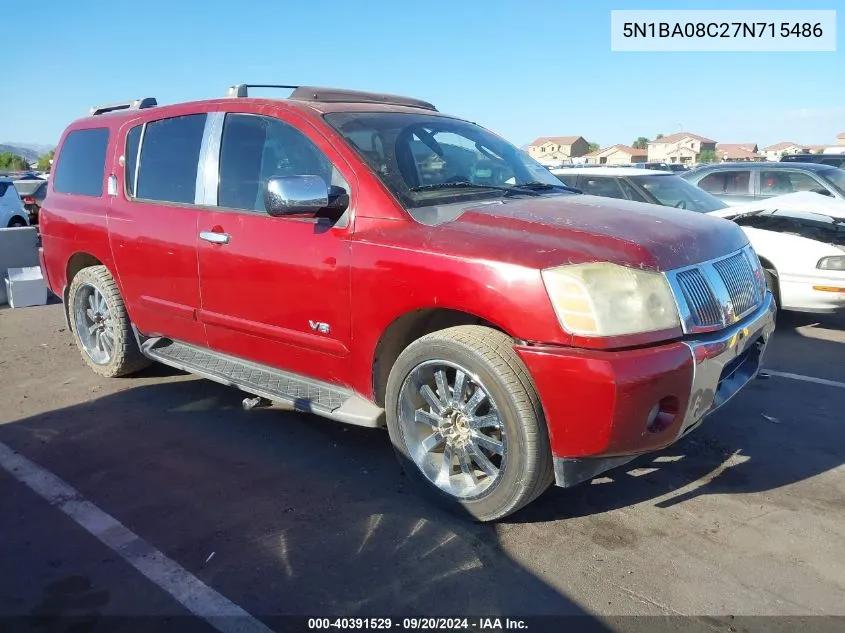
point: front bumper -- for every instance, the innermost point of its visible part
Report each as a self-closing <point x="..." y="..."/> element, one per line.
<point x="606" y="408"/>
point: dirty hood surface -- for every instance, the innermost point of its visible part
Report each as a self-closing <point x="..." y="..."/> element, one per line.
<point x="546" y="231"/>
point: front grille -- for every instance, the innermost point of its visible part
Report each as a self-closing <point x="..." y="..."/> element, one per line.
<point x="739" y="279"/>
<point x="702" y="304"/>
<point x="718" y="293"/>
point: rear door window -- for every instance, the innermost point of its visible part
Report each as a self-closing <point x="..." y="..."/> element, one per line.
<point x="599" y="186"/>
<point x="167" y="169"/>
<point x="735" y="183"/>
<point x="81" y="163"/>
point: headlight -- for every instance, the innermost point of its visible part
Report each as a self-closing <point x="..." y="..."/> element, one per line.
<point x="836" y="262"/>
<point x="604" y="299"/>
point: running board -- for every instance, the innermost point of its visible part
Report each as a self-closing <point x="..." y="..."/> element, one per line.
<point x="305" y="394"/>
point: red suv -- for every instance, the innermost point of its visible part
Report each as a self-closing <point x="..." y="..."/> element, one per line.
<point x="369" y="259"/>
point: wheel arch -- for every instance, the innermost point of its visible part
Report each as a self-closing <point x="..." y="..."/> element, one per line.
<point x="17" y="217"/>
<point x="406" y="329"/>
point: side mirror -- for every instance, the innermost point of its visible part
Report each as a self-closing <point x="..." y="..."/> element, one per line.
<point x="295" y="195"/>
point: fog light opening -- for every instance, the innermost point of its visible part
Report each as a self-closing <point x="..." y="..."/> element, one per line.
<point x="662" y="415"/>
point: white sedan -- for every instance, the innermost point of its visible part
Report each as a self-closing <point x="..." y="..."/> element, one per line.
<point x="799" y="237"/>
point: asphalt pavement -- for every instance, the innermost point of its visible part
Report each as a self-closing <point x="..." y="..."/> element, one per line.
<point x="282" y="513"/>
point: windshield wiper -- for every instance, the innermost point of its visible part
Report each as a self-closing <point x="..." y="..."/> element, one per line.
<point x="546" y="186"/>
<point x="530" y="188"/>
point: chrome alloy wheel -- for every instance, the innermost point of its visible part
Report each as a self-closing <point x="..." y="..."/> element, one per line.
<point x="452" y="428"/>
<point x="94" y="325"/>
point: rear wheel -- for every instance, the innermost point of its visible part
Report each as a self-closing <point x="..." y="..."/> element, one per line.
<point x="466" y="422"/>
<point x="16" y="222"/>
<point x="101" y="326"/>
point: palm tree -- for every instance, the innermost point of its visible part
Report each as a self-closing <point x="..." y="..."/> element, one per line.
<point x="640" y="143"/>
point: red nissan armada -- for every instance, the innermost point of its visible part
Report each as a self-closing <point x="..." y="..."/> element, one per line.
<point x="369" y="259"/>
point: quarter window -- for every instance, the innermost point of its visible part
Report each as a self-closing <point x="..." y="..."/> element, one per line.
<point x="81" y="163"/>
<point x="255" y="148"/>
<point x="169" y="155"/>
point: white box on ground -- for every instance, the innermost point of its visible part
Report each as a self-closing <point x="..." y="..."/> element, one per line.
<point x="25" y="287"/>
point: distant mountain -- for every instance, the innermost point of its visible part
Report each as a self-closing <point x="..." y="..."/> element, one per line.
<point x="29" y="151"/>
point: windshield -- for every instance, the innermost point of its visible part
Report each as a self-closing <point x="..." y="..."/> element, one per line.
<point x="427" y="160"/>
<point x="834" y="176"/>
<point x="674" y="191"/>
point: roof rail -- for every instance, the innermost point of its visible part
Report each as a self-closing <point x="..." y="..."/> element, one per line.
<point x="136" y="104"/>
<point x="242" y="90"/>
<point x="335" y="95"/>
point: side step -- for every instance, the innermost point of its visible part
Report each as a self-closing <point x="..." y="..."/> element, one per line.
<point x="305" y="394"/>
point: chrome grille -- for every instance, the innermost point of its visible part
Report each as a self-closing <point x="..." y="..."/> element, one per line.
<point x="700" y="300"/>
<point x="736" y="273"/>
<point x="720" y="292"/>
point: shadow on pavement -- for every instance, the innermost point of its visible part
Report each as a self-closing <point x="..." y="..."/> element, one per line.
<point x="282" y="513"/>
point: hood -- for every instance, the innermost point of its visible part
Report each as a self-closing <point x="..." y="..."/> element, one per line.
<point x="548" y="231"/>
<point x="803" y="201"/>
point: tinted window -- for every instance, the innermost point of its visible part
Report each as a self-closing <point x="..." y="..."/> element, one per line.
<point x="81" y="163"/>
<point x="568" y="179"/>
<point x="674" y="191"/>
<point x="169" y="156"/>
<point x="778" y="182"/>
<point x="3" y="187"/>
<point x="632" y="193"/>
<point x="256" y="148"/>
<point x="598" y="186"/>
<point x="726" y="182"/>
<point x="131" y="158"/>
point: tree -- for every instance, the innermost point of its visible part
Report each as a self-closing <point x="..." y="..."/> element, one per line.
<point x="642" y="142"/>
<point x="13" y="162"/>
<point x="706" y="156"/>
<point x="45" y="161"/>
<point x="594" y="147"/>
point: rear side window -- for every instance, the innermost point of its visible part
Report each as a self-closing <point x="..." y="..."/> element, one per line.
<point x="3" y="187"/>
<point x="82" y="162"/>
<point x="133" y="138"/>
<point x="167" y="170"/>
<point x="726" y="182"/>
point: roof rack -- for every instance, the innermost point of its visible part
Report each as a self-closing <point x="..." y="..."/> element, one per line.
<point x="334" y="95"/>
<point x="137" y="104"/>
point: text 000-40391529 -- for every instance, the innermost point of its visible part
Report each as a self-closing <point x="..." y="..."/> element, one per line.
<point x="728" y="30"/>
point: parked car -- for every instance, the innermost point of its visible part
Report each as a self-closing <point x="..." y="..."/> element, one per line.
<point x="640" y="185"/>
<point x="12" y="212"/>
<point x="738" y="183"/>
<point x="799" y="238"/>
<point x="32" y="191"/>
<point x="834" y="160"/>
<point x="371" y="260"/>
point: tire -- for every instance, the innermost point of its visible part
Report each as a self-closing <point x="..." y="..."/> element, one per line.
<point x="17" y="222"/>
<point x="486" y="356"/>
<point x="122" y="356"/>
<point x="773" y="285"/>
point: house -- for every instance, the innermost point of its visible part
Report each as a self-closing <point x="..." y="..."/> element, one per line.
<point x="738" y="152"/>
<point x="683" y="147"/>
<point x="555" y="149"/>
<point x="616" y="155"/>
<point x="840" y="138"/>
<point x="774" y="152"/>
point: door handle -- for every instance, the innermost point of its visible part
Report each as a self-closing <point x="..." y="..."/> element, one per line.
<point x="215" y="238"/>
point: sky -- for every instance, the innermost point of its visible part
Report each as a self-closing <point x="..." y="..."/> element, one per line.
<point x="523" y="68"/>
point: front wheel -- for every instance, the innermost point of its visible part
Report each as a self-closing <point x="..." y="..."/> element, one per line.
<point x="466" y="422"/>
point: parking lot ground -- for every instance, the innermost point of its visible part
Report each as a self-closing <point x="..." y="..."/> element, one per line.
<point x="285" y="513"/>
